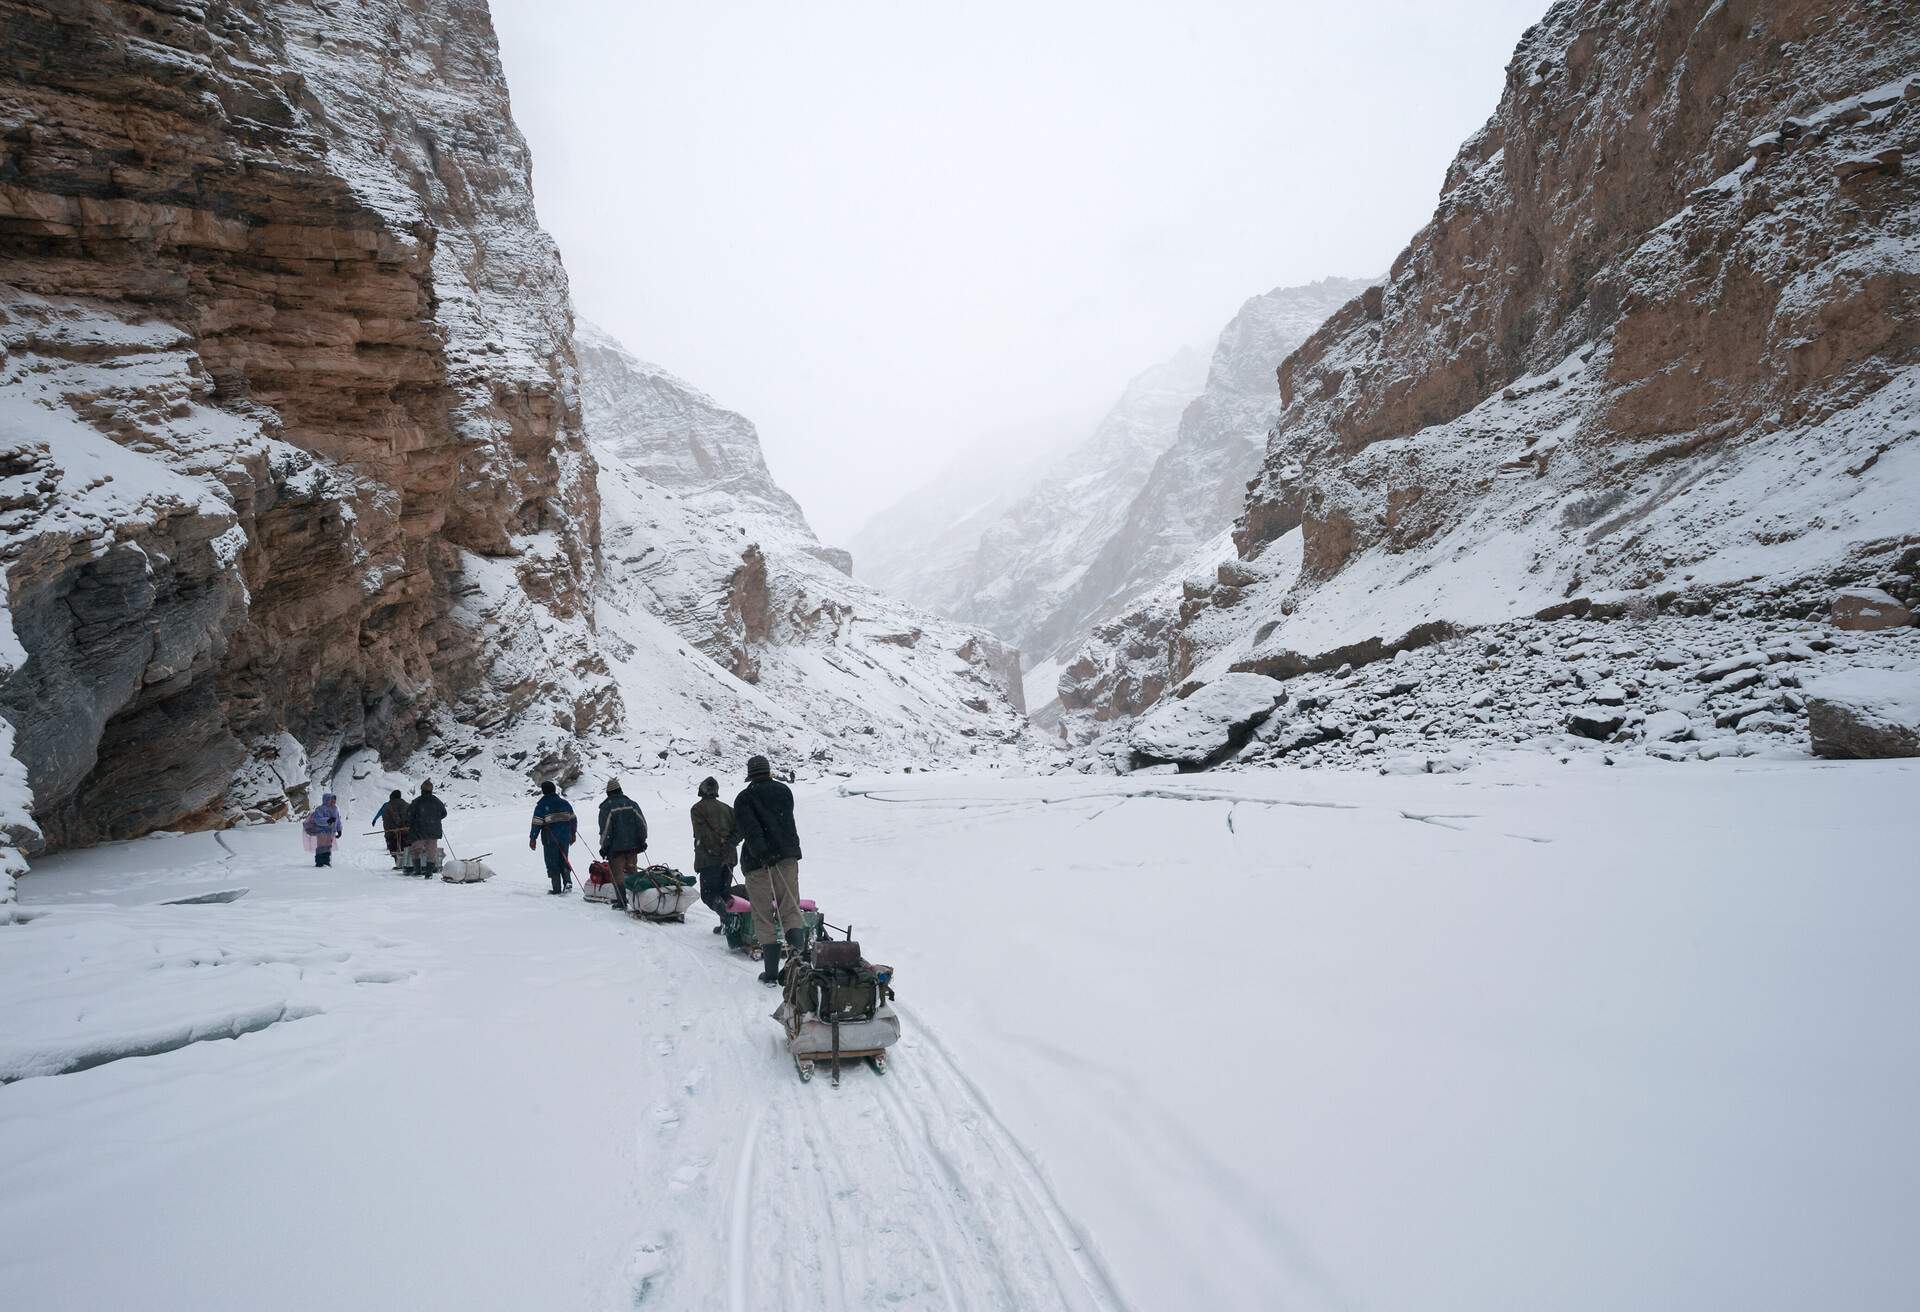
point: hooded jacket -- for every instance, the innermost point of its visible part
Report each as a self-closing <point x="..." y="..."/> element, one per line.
<point x="324" y="818"/>
<point x="714" y="834"/>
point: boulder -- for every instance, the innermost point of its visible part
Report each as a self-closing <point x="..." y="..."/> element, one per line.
<point x="1865" y="714"/>
<point x="1866" y="609"/>
<point x="1736" y="682"/>
<point x="1721" y="669"/>
<point x="1668" y="727"/>
<point x="1596" y="722"/>
<point x="1208" y="726"/>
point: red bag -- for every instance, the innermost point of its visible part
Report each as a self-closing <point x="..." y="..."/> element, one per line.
<point x="599" y="872"/>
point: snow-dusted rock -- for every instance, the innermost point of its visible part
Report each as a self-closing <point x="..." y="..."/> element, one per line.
<point x="1209" y="724"/>
<point x="1719" y="670"/>
<point x="1865" y="713"/>
<point x="1866" y="609"/>
<point x="1597" y="722"/>
<point x="1667" y="727"/>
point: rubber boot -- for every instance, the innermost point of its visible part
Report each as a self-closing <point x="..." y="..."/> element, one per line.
<point x="770" y="972"/>
<point x="797" y="943"/>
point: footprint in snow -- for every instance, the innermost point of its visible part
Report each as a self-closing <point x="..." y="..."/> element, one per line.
<point x="686" y="1176"/>
<point x="647" y="1270"/>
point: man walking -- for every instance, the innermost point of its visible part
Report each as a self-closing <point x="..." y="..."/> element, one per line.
<point x="423" y="828"/>
<point x="770" y="853"/>
<point x="392" y="819"/>
<point x="714" y="839"/>
<point x="623" y="837"/>
<point x="554" y="828"/>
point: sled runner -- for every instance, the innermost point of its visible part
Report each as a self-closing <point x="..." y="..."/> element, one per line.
<point x="835" y="1008"/>
<point x="660" y="893"/>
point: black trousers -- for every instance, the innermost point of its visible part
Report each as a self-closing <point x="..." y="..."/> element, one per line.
<point x="716" y="886"/>
<point x="557" y="868"/>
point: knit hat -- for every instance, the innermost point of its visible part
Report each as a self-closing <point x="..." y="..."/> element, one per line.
<point x="758" y="767"/>
<point x="709" y="787"/>
<point x="613" y="785"/>
<point x="547" y="788"/>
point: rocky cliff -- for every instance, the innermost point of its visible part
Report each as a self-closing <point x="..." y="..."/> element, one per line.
<point x="286" y="360"/>
<point x="1657" y="351"/>
<point x="732" y="630"/>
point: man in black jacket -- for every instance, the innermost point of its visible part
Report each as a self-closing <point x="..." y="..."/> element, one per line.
<point x="623" y="837"/>
<point x="423" y="828"/>
<point x="770" y="856"/>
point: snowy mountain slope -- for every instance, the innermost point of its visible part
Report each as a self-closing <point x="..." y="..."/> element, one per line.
<point x="1009" y="565"/>
<point x="919" y="546"/>
<point x="418" y="1062"/>
<point x="670" y="432"/>
<point x="1197" y="486"/>
<point x="286" y="352"/>
<point x="774" y="647"/>
<point x="1687" y="385"/>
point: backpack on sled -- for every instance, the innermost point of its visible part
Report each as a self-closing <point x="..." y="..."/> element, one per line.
<point x="599" y="885"/>
<point x="835" y="1008"/>
<point x="660" y="893"/>
<point x="736" y="918"/>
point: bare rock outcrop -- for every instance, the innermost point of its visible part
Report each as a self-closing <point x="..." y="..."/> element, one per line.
<point x="286" y="361"/>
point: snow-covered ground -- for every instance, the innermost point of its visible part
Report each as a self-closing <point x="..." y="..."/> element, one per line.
<point x="1527" y="1036"/>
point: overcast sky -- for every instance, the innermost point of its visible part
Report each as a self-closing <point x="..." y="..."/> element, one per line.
<point x="885" y="230"/>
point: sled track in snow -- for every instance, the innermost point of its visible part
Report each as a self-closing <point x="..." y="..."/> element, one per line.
<point x="903" y="1189"/>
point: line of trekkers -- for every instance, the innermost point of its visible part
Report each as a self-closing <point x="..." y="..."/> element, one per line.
<point x="757" y="834"/>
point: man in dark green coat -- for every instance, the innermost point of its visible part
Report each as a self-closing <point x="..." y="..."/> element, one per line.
<point x="714" y="839"/>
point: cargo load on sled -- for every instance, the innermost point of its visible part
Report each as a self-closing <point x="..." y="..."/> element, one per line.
<point x="736" y="919"/>
<point x="660" y="893"/>
<point x="835" y="1008"/>
<point x="468" y="870"/>
<point x="599" y="885"/>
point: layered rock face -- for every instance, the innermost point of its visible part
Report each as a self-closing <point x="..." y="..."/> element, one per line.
<point x="732" y="630"/>
<point x="286" y="358"/>
<point x="1660" y="341"/>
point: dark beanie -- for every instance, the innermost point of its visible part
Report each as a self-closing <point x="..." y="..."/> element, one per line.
<point x="547" y="788"/>
<point x="709" y="787"/>
<point x="758" y="767"/>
